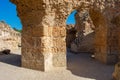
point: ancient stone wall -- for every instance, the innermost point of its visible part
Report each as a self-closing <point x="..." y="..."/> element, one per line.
<point x="43" y="42"/>
<point x="43" y="37"/>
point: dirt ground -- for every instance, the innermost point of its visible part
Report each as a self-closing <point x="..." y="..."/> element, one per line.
<point x="79" y="67"/>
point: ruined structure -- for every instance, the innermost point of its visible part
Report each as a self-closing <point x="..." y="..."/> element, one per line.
<point x="9" y="38"/>
<point x="43" y="38"/>
<point x="85" y="35"/>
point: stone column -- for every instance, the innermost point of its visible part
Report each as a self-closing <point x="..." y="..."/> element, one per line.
<point x="59" y="47"/>
<point x="101" y="46"/>
<point x="116" y="21"/>
<point x="116" y="74"/>
<point x="43" y="43"/>
<point x="102" y="51"/>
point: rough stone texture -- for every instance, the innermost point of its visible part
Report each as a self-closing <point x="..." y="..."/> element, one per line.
<point x="45" y="48"/>
<point x="45" y="20"/>
<point x="9" y="39"/>
<point x="116" y="21"/>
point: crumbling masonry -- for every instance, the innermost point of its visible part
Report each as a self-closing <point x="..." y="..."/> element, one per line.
<point x="44" y="33"/>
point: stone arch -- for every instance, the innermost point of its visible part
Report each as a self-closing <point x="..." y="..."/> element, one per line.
<point x="101" y="35"/>
<point x="43" y="36"/>
<point x="101" y="21"/>
<point x="44" y="30"/>
<point x="101" y="31"/>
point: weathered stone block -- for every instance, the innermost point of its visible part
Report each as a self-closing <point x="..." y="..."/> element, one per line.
<point x="33" y="64"/>
<point x="37" y="31"/>
<point x="47" y="31"/>
<point x="59" y="42"/>
<point x="56" y="32"/>
<point x="62" y="31"/>
<point x="59" y="60"/>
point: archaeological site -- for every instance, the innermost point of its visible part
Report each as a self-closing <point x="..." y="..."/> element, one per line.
<point x="10" y="37"/>
<point x="49" y="45"/>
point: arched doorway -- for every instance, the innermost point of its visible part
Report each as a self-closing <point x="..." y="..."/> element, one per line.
<point x="45" y="48"/>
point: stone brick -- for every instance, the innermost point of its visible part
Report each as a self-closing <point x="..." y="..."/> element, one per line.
<point x="59" y="59"/>
<point x="37" y="31"/>
<point x="56" y="32"/>
<point x="63" y="31"/>
<point x="48" y="17"/>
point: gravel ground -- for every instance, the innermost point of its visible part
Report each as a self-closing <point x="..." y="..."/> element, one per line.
<point x="79" y="67"/>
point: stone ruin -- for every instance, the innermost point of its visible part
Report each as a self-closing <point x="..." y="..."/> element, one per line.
<point x="80" y="37"/>
<point x="44" y="33"/>
<point x="9" y="38"/>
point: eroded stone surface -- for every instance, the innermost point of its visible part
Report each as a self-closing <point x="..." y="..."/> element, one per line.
<point x="44" y="24"/>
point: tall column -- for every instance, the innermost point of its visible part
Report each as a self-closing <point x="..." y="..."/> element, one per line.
<point x="36" y="43"/>
<point x="116" y="73"/>
<point x="59" y="47"/>
<point x="103" y="38"/>
<point x="43" y="43"/>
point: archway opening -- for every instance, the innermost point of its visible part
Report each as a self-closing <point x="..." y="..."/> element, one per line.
<point x="80" y="32"/>
<point x="85" y="37"/>
<point x="70" y="30"/>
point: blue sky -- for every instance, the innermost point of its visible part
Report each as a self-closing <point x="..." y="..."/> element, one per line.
<point x="71" y="19"/>
<point x="8" y="14"/>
